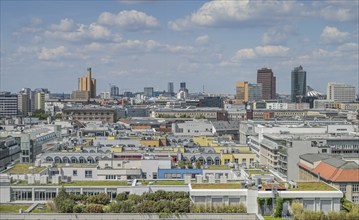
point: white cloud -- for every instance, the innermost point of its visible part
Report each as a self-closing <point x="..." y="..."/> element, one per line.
<point x="202" y="39"/>
<point x="246" y="53"/>
<point x="333" y="35"/>
<point x="52" y="53"/>
<point x="342" y="14"/>
<point x="220" y="13"/>
<point x="64" y="25"/>
<point x="132" y="20"/>
<point x="92" y="31"/>
<point x="271" y="50"/>
<point x="278" y="35"/>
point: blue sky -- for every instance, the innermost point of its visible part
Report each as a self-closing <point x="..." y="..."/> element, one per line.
<point x="136" y="44"/>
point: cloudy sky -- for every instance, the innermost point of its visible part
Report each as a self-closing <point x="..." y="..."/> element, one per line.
<point x="134" y="44"/>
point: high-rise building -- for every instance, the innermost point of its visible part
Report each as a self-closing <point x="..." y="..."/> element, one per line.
<point x="268" y="80"/>
<point x="241" y="92"/>
<point x="23" y="104"/>
<point x="31" y="98"/>
<point x="8" y="104"/>
<point x="115" y="91"/>
<point x="88" y="84"/>
<point x="170" y="88"/>
<point x="182" y="85"/>
<point x="40" y="101"/>
<point x="254" y="92"/>
<point x="299" y="83"/>
<point x="340" y="92"/>
<point x="148" y="91"/>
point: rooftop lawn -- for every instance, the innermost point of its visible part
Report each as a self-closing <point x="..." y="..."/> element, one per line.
<point x="23" y="168"/>
<point x="216" y="186"/>
<point x="12" y="208"/>
<point x="312" y="186"/>
<point x="164" y="182"/>
<point x="271" y="218"/>
<point x="41" y="208"/>
<point x="250" y="172"/>
<point x="218" y="167"/>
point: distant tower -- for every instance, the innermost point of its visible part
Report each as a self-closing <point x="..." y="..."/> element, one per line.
<point x="170" y="88"/>
<point x="182" y="86"/>
<point x="115" y="91"/>
<point x="88" y="84"/>
<point x="299" y="83"/>
<point x="268" y="80"/>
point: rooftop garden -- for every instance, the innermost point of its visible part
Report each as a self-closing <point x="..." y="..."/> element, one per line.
<point x="12" y="208"/>
<point x="216" y="186"/>
<point x="312" y="186"/>
<point x="218" y="167"/>
<point x="163" y="182"/>
<point x="24" y="168"/>
<point x="260" y="172"/>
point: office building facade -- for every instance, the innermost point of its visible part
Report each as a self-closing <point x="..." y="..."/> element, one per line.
<point x="298" y="83"/>
<point x="340" y="92"/>
<point x="255" y="92"/>
<point x="241" y="92"/>
<point x="268" y="80"/>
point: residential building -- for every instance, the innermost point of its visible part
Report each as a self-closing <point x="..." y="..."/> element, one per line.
<point x="341" y="92"/>
<point x="208" y="113"/>
<point x="334" y="170"/>
<point x="9" y="152"/>
<point x="8" y="104"/>
<point x="298" y="83"/>
<point x="268" y="80"/>
<point x="90" y="114"/>
<point x="23" y="104"/>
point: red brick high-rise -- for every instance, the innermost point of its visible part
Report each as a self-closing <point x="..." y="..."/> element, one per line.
<point x="268" y="80"/>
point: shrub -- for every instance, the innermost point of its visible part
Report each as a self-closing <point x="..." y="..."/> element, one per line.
<point x="297" y="208"/>
<point x="279" y="207"/>
<point x="94" y="208"/>
<point x="122" y="196"/>
<point x="311" y="215"/>
<point x="51" y="205"/>
<point x="102" y="198"/>
<point x="79" y="208"/>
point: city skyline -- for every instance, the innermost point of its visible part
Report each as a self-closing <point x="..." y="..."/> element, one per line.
<point x="137" y="44"/>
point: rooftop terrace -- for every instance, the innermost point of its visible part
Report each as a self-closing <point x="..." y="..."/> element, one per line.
<point x="24" y="168"/>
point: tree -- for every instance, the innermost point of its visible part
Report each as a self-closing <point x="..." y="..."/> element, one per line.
<point x="40" y="114"/>
<point x="182" y="164"/>
<point x="94" y="208"/>
<point x="121" y="196"/>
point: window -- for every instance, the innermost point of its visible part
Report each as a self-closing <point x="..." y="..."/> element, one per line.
<point x="343" y="187"/>
<point x="88" y="173"/>
<point x="355" y="187"/>
<point x="154" y="175"/>
<point x="236" y="160"/>
<point x="110" y="177"/>
<point x="74" y="172"/>
<point x="355" y="199"/>
<point x="244" y="160"/>
<point x="324" y="150"/>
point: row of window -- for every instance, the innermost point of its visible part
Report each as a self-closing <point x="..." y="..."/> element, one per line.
<point x="343" y="187"/>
